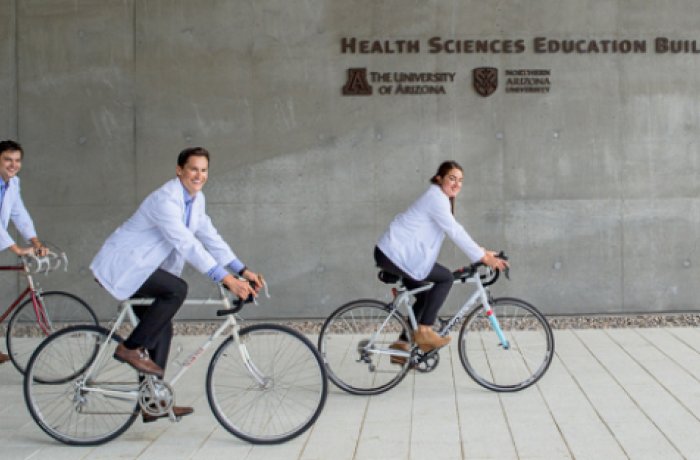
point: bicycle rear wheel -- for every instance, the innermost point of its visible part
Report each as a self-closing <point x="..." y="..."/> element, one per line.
<point x="354" y="343"/>
<point x="279" y="396"/>
<point x="28" y="327"/>
<point x="524" y="362"/>
<point x="68" y="405"/>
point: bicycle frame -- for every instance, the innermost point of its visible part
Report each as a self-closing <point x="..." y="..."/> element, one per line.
<point x="479" y="297"/>
<point x="34" y="294"/>
<point x="127" y="313"/>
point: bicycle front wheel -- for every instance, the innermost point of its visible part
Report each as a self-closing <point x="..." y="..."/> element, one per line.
<point x="73" y="407"/>
<point x="527" y="356"/>
<point x="28" y="325"/>
<point x="269" y="388"/>
<point x="354" y="343"/>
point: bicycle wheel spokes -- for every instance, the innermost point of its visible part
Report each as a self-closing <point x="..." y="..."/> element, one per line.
<point x="354" y="343"/>
<point x="28" y="327"/>
<point x="70" y="406"/>
<point x="278" y="396"/>
<point x="527" y="357"/>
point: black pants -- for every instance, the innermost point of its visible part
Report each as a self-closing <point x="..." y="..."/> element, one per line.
<point x="155" y="329"/>
<point x="429" y="302"/>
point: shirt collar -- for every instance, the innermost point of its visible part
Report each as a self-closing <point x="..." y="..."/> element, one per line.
<point x="186" y="195"/>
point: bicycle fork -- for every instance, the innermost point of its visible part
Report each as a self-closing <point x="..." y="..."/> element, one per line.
<point x="263" y="382"/>
<point x="488" y="311"/>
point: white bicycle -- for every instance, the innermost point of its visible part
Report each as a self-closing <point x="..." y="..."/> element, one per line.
<point x="266" y="383"/>
<point x="504" y="344"/>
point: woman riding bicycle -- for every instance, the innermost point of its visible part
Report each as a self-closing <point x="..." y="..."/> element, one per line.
<point x="410" y="247"/>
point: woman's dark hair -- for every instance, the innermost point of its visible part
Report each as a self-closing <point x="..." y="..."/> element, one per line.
<point x="190" y="152"/>
<point x="442" y="171"/>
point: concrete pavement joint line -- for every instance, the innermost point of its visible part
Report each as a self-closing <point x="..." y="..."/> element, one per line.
<point x="554" y="420"/>
<point x="689" y="345"/>
<point x="659" y="382"/>
<point x="631" y="398"/>
<point x="503" y="410"/>
<point x="456" y="399"/>
<point x="590" y="403"/>
<point x="151" y="443"/>
<point x="362" y="427"/>
<point x="204" y="441"/>
<point x="673" y="359"/>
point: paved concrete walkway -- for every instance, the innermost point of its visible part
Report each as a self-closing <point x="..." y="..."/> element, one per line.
<point x="614" y="393"/>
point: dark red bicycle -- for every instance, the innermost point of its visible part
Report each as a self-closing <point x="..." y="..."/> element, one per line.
<point x="35" y="314"/>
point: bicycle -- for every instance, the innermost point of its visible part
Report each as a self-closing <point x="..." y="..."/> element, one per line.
<point x="265" y="384"/>
<point x="504" y="344"/>
<point x="42" y="313"/>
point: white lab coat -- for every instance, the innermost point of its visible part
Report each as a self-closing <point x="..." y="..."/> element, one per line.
<point x="414" y="237"/>
<point x="156" y="237"/>
<point x="13" y="208"/>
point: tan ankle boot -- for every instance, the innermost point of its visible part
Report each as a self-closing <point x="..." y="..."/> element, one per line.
<point x="399" y="345"/>
<point x="427" y="339"/>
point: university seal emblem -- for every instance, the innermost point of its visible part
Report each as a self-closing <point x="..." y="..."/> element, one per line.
<point x="485" y="80"/>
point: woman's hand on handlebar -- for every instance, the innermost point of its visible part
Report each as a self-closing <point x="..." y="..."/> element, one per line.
<point x="241" y="288"/>
<point x="492" y="260"/>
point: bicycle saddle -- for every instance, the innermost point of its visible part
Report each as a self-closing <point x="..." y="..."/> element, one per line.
<point x="388" y="278"/>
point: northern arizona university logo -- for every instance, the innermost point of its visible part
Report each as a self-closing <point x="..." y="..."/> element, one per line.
<point x="357" y="84"/>
<point x="485" y="80"/>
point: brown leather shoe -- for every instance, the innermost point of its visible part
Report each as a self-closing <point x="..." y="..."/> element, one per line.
<point x="138" y="359"/>
<point x="4" y="358"/>
<point x="179" y="411"/>
<point x="399" y="345"/>
<point x="427" y="339"/>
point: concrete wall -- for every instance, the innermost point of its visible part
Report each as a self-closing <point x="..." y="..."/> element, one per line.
<point x="591" y="188"/>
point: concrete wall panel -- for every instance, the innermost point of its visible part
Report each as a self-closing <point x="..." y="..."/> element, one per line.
<point x="75" y="100"/>
<point x="8" y="78"/>
<point x="566" y="275"/>
<point x="579" y="185"/>
<point x="660" y="254"/>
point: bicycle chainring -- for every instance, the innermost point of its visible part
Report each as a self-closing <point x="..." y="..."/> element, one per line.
<point x="156" y="397"/>
<point x="424" y="362"/>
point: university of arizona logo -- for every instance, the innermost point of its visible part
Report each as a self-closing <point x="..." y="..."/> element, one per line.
<point x="357" y="84"/>
<point x="485" y="80"/>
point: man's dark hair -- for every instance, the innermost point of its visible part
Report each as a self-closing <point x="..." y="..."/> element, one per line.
<point x="189" y="152"/>
<point x="11" y="146"/>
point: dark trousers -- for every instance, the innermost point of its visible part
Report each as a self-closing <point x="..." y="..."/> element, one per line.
<point x="155" y="329"/>
<point x="429" y="302"/>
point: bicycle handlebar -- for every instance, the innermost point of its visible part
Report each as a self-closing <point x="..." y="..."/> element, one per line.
<point x="488" y="278"/>
<point x="240" y="303"/>
<point x="50" y="262"/>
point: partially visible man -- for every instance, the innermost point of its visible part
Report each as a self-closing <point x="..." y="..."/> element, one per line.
<point x="145" y="256"/>
<point x="12" y="207"/>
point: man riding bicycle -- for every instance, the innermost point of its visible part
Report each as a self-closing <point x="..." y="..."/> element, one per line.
<point x="145" y="256"/>
<point x="12" y="207"/>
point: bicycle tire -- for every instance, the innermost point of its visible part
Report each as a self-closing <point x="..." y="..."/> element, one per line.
<point x="24" y="334"/>
<point x="77" y="414"/>
<point x="525" y="361"/>
<point x="288" y="400"/>
<point x="350" y="365"/>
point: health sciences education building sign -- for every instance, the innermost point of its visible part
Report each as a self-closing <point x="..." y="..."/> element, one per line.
<point x="362" y="81"/>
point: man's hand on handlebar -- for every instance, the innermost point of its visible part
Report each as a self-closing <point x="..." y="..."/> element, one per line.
<point x="241" y="288"/>
<point x="38" y="251"/>
<point x="254" y="278"/>
<point x="492" y="260"/>
<point x="39" y="248"/>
